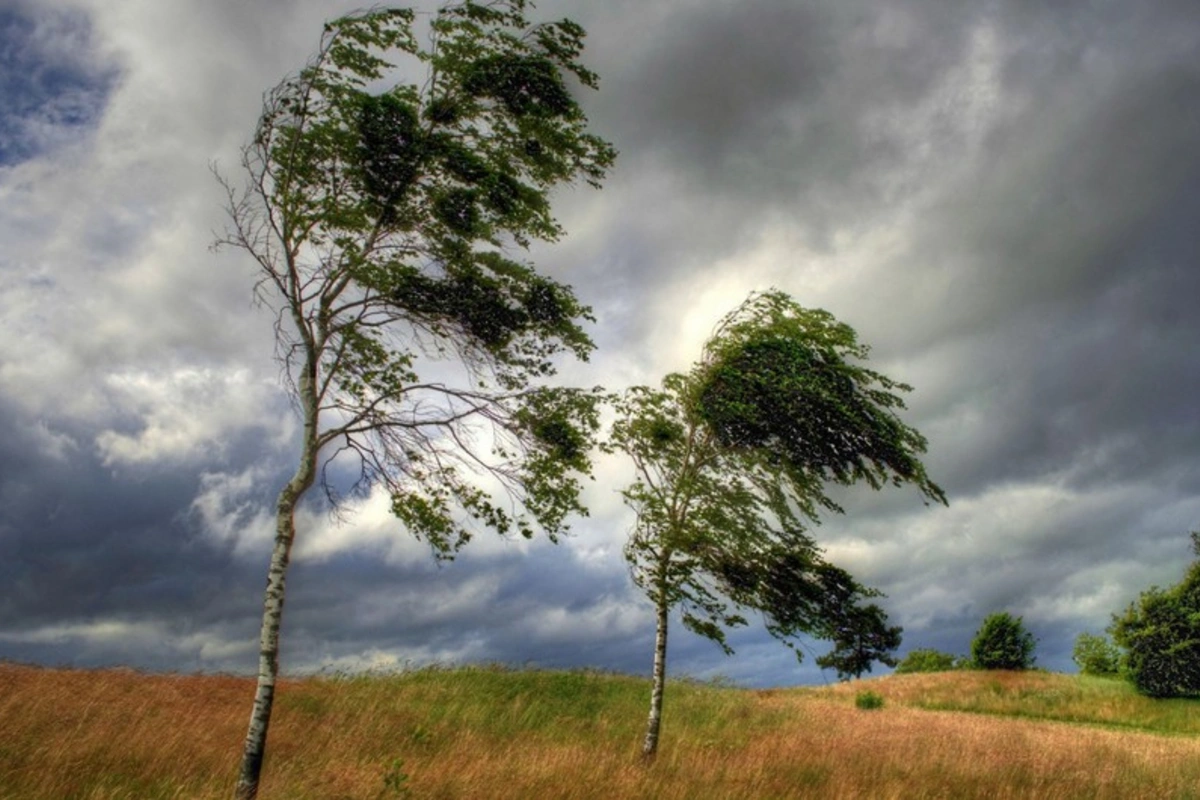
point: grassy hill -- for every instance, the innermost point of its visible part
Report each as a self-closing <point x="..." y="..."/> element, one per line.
<point x="497" y="733"/>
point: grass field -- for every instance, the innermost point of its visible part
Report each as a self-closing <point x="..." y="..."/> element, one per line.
<point x="496" y="733"/>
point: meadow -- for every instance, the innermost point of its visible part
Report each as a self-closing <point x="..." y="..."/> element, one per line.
<point x="492" y="732"/>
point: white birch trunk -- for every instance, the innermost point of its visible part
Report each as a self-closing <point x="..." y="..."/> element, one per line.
<point x="285" y="534"/>
<point x="650" y="744"/>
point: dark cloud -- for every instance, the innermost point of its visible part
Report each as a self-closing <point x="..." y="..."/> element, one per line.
<point x="50" y="88"/>
<point x="767" y="108"/>
<point x="1000" y="198"/>
<point x="83" y="542"/>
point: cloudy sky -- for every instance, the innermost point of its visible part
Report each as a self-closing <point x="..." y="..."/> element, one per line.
<point x="1001" y="197"/>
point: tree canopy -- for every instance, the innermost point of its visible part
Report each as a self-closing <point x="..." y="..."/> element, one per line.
<point x="731" y="465"/>
<point x="1095" y="655"/>
<point x="926" y="659"/>
<point x="1002" y="642"/>
<point x="384" y="222"/>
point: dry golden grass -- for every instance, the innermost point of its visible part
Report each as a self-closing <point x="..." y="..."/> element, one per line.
<point x="491" y="733"/>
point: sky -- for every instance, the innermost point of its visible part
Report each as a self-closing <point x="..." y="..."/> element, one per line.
<point x="1000" y="197"/>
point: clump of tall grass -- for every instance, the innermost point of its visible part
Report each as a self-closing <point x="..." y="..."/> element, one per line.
<point x="868" y="700"/>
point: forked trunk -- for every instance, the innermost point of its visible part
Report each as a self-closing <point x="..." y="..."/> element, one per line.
<point x="268" y="656"/>
<point x="650" y="744"/>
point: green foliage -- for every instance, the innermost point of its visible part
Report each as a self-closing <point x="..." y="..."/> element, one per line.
<point x="1002" y="642"/>
<point x="395" y="780"/>
<point x="928" y="660"/>
<point x="1160" y="634"/>
<point x="730" y="473"/>
<point x="1095" y="655"/>
<point x="780" y="380"/>
<point x="860" y="633"/>
<point x="868" y="700"/>
<point x="384" y="218"/>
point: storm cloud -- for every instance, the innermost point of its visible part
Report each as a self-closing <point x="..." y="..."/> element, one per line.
<point x="1000" y="197"/>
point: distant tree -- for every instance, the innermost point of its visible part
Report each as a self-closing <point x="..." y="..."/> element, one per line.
<point x="731" y="460"/>
<point x="1095" y="655"/>
<point x="860" y="633"/>
<point x="381" y="219"/>
<point x="1002" y="642"/>
<point x="928" y="660"/>
<point x="1160" y="634"/>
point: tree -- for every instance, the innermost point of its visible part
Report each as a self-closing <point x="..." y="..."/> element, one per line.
<point x="1002" y="643"/>
<point x="1095" y="655"/>
<point x="731" y="461"/>
<point x="416" y="349"/>
<point x="1160" y="634"/>
<point x="927" y="660"/>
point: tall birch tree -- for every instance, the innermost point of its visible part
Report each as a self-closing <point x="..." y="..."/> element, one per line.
<point x="384" y="219"/>
<point x="732" y="460"/>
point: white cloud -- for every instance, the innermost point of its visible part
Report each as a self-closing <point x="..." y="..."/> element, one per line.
<point x="608" y="618"/>
<point x="54" y="444"/>
<point x="376" y="659"/>
<point x="1032" y="548"/>
<point x="110" y="638"/>
<point x="212" y="649"/>
<point x="187" y="413"/>
<point x="365" y="525"/>
<point x="103" y="632"/>
<point x="230" y="510"/>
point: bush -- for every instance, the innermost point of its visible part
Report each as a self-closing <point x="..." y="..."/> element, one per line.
<point x="868" y="700"/>
<point x="1002" y="643"/>
<point x="1095" y="655"/>
<point x="1162" y="642"/>
<point x="1160" y="634"/>
<point x="928" y="660"/>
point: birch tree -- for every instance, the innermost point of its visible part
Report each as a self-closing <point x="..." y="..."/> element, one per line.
<point x="416" y="347"/>
<point x="732" y="460"/>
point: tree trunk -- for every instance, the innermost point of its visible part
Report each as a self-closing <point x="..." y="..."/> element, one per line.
<point x="650" y="745"/>
<point x="268" y="657"/>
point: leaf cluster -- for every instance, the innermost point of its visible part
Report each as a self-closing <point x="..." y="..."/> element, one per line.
<point x="419" y="189"/>
<point x="783" y="381"/>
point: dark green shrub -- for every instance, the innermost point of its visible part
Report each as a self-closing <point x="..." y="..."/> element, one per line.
<point x="868" y="700"/>
<point x="1095" y="655"/>
<point x="1002" y="643"/>
<point x="927" y="660"/>
<point x="1160" y="634"/>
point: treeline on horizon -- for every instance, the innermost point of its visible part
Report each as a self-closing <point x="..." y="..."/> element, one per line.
<point x="1154" y="644"/>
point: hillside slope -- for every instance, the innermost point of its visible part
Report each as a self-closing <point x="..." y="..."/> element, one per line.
<point x="497" y="733"/>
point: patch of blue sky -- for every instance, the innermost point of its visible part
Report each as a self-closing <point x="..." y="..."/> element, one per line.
<point x="53" y="86"/>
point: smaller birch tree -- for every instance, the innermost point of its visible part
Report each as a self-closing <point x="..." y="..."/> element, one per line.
<point x="415" y="346"/>
<point x="731" y="462"/>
